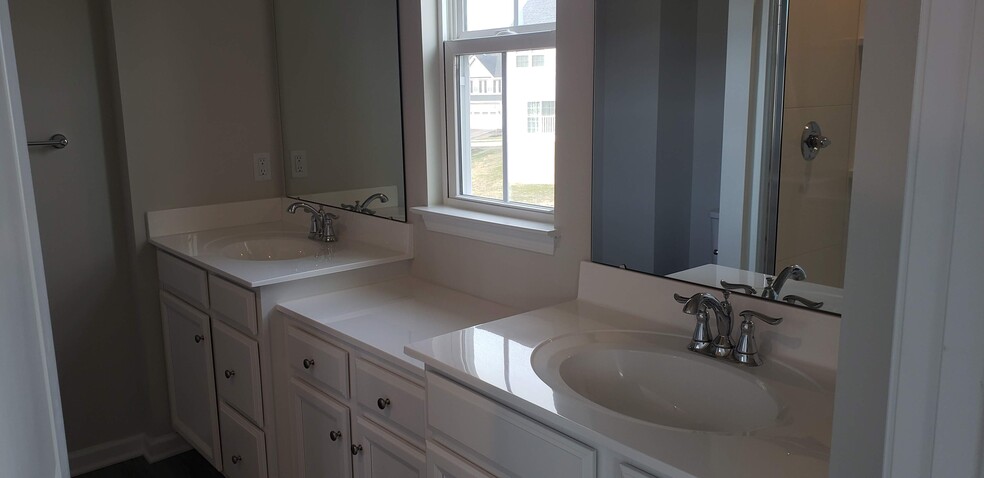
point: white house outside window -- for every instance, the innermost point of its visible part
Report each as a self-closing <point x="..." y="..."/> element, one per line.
<point x="501" y="146"/>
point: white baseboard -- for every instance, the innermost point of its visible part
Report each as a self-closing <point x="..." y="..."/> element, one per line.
<point x="153" y="449"/>
<point x="164" y="446"/>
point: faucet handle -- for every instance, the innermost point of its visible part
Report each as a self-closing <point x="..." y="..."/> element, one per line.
<point x="748" y="314"/>
<point x="742" y="287"/>
<point x="746" y="351"/>
<point x="792" y="299"/>
<point x="681" y="299"/>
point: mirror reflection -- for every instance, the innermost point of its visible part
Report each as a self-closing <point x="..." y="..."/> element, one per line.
<point x="723" y="143"/>
<point x="340" y="104"/>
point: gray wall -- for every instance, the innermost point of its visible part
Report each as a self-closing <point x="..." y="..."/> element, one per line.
<point x="165" y="104"/>
<point x="62" y="57"/>
<point x="647" y="111"/>
<point x="340" y="89"/>
<point x="196" y="98"/>
<point x="705" y="190"/>
<point x="626" y="81"/>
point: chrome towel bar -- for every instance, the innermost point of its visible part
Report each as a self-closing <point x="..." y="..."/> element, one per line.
<point x="57" y="141"/>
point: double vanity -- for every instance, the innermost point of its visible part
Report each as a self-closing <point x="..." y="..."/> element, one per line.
<point x="294" y="357"/>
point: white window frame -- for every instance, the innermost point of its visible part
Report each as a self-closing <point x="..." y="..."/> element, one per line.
<point x="458" y="42"/>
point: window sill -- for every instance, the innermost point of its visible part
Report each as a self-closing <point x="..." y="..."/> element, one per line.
<point x="540" y="237"/>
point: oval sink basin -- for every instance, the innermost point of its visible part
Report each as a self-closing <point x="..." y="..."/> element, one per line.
<point x="641" y="375"/>
<point x="271" y="247"/>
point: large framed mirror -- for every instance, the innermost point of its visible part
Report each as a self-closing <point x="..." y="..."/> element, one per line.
<point x="723" y="142"/>
<point x="341" y="104"/>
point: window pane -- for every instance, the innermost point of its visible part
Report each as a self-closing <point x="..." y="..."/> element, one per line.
<point x="538" y="60"/>
<point x="532" y="12"/>
<point x="530" y="107"/>
<point x="480" y="126"/>
<point x="499" y="14"/>
<point x="489" y="14"/>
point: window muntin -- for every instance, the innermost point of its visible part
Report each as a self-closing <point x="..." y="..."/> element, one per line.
<point x="500" y="151"/>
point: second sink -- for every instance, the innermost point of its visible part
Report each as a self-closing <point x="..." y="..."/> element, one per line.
<point x="643" y="375"/>
<point x="270" y="247"/>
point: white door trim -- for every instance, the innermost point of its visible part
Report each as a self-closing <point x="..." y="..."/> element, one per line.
<point x="32" y="434"/>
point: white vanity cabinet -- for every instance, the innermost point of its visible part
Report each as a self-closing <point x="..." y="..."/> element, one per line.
<point x="320" y="431"/>
<point x="351" y="414"/>
<point x="496" y="438"/>
<point x="191" y="383"/>
<point x="213" y="366"/>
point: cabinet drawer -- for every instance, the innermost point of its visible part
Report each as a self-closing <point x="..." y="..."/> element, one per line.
<point x="183" y="280"/>
<point x="396" y="401"/>
<point x="237" y="371"/>
<point x="514" y="443"/>
<point x="322" y="364"/>
<point x="232" y="304"/>
<point x="243" y="446"/>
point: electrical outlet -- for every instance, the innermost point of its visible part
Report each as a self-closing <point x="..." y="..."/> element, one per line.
<point x="298" y="164"/>
<point x="261" y="167"/>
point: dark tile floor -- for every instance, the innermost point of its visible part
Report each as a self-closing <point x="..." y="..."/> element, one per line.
<point x="186" y="465"/>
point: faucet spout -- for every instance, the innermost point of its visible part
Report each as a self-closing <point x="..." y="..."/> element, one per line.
<point x="774" y="288"/>
<point x="722" y="344"/>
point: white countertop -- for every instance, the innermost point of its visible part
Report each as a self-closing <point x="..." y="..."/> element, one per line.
<point x="346" y="254"/>
<point x="495" y="359"/>
<point x="383" y="318"/>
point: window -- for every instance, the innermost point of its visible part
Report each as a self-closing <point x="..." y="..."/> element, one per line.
<point x="540" y="117"/>
<point x="500" y="112"/>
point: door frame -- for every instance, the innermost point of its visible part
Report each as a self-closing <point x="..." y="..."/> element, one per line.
<point x="32" y="433"/>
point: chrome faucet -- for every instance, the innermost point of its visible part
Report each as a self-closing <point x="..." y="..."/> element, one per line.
<point x="774" y="285"/>
<point x="722" y="347"/>
<point x="364" y="206"/>
<point x="322" y="222"/>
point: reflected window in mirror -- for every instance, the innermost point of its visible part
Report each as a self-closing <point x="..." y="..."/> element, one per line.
<point x="500" y="73"/>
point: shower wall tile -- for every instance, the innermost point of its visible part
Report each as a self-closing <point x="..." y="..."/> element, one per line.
<point x="814" y="195"/>
<point x="822" y="49"/>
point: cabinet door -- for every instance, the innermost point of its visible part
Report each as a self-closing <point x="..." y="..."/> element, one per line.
<point x="380" y="454"/>
<point x="442" y="463"/>
<point x="320" y="430"/>
<point x="191" y="383"/>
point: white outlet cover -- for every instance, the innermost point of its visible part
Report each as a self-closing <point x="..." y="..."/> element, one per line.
<point x="261" y="167"/>
<point x="298" y="164"/>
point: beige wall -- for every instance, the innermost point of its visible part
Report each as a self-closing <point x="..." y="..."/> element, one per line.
<point x="62" y="56"/>
<point x="822" y="72"/>
<point x="520" y="278"/>
<point x="196" y="97"/>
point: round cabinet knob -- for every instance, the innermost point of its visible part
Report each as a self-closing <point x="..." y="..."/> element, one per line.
<point x="230" y="373"/>
<point x="382" y="403"/>
<point x="335" y="435"/>
<point x="199" y="338"/>
<point x="356" y="449"/>
<point x="308" y="363"/>
<point x="236" y="459"/>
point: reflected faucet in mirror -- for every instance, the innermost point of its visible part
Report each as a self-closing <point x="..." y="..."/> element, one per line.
<point x="364" y="206"/>
<point x="322" y="222"/>
<point x="774" y="287"/>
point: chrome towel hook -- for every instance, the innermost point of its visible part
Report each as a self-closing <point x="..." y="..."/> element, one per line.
<point x="57" y="141"/>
